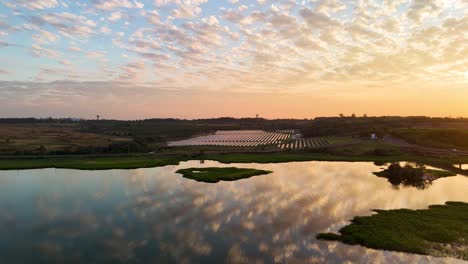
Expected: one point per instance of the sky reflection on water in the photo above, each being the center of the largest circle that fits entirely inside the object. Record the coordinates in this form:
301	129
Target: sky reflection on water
157	216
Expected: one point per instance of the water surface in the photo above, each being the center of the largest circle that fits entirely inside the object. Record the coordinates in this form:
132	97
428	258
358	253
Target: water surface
156	216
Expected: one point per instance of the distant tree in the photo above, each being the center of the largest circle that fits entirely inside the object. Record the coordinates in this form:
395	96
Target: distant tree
353	115
365	115
97	117
341	115
42	149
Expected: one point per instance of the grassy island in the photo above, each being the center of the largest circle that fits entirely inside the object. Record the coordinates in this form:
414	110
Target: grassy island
439	231
213	175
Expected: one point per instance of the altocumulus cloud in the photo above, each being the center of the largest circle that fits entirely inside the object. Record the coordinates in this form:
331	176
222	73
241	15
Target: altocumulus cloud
330	47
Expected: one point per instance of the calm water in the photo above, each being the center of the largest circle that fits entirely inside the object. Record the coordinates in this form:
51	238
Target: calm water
156	216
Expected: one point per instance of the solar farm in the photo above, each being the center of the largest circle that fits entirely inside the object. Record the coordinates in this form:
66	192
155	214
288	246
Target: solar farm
304	143
283	139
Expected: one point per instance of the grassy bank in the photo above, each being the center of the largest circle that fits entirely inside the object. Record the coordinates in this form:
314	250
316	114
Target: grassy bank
144	161
440	230
87	163
213	175
296	156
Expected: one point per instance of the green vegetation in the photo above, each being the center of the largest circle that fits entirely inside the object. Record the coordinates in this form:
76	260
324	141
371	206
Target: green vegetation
420	171
41	139
130	162
294	156
435	137
50	143
140	161
88	163
364	126
213	175
24	137
441	230
155	132
418	176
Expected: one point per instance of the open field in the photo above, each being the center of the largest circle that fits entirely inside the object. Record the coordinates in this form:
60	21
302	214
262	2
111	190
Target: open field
440	230
38	138
435	137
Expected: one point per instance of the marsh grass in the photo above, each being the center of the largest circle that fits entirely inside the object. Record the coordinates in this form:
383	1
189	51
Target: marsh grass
441	230
213	175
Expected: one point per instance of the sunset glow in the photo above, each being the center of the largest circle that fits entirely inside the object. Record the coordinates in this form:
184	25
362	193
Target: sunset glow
131	59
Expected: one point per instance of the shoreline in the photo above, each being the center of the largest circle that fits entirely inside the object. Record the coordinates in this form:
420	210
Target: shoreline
109	162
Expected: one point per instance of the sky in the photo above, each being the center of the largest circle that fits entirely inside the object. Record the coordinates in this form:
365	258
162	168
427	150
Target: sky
135	59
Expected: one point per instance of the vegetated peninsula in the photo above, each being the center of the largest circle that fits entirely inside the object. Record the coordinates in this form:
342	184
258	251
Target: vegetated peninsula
440	231
417	176
213	175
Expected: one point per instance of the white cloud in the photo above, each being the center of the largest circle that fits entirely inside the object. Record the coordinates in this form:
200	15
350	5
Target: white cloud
420	9
44	37
37	4
113	4
329	7
114	16
74	49
67	24
105	30
95	54
164	2
285	44
38	51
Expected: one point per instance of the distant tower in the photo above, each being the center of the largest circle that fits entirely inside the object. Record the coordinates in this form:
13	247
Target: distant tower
256	120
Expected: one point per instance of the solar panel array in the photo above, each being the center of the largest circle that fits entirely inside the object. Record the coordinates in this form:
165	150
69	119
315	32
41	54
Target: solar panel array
304	143
241	138
250	138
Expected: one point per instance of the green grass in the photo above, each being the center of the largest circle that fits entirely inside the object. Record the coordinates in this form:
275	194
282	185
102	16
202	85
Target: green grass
88	163
441	230
133	162
294	156
360	152
213	175
435	137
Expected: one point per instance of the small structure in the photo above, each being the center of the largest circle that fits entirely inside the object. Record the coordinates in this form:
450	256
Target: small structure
374	136
296	136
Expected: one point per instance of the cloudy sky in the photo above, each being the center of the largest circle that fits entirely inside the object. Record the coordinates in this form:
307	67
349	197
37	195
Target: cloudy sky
208	58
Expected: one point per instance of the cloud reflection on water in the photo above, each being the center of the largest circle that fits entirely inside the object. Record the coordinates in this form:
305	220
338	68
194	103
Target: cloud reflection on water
156	215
